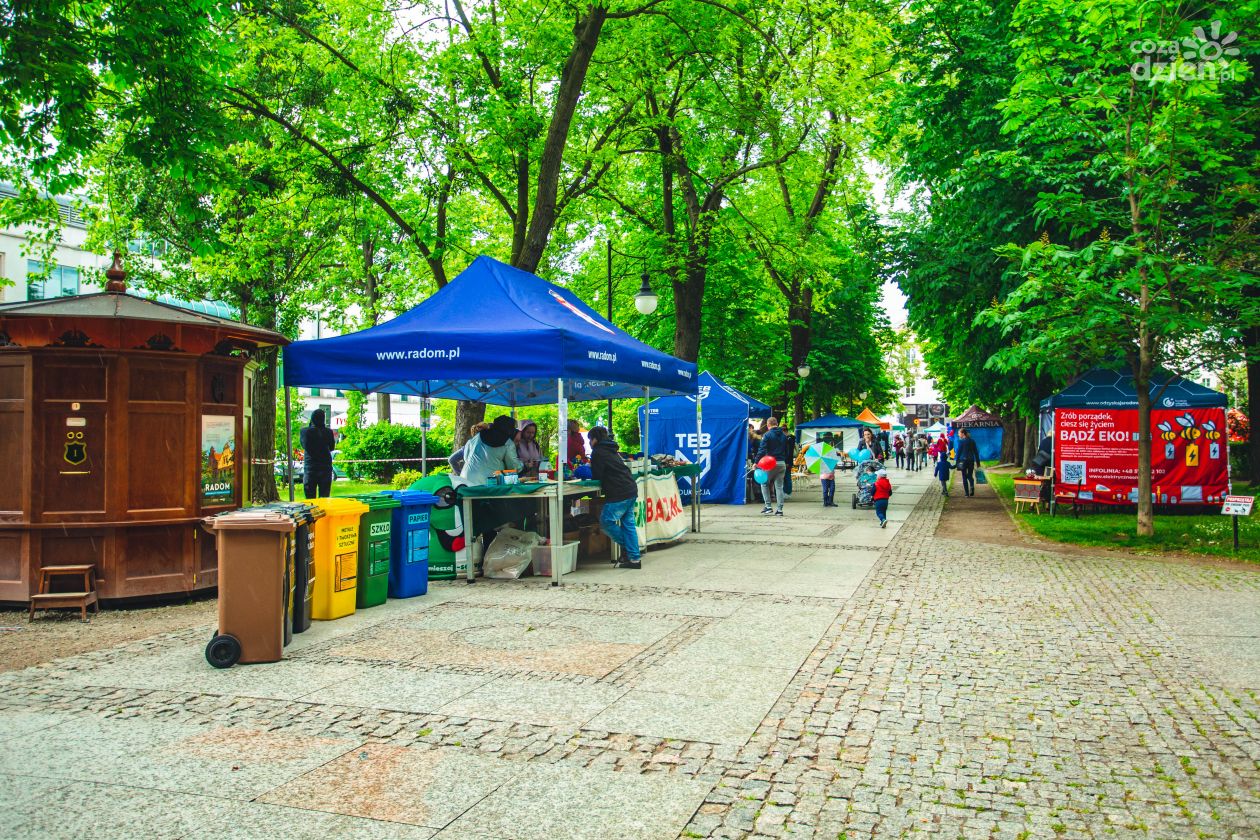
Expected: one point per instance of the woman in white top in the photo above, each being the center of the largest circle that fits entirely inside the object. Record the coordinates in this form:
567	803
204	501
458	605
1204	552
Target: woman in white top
490	451
487	453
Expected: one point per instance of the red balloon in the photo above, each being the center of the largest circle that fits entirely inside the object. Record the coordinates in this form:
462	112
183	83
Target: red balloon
767	463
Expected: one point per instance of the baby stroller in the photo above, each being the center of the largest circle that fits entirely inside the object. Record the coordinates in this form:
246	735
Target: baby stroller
865	495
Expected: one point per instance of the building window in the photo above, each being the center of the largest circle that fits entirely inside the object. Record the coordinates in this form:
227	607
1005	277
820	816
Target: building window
909	390
338	394
62	281
402	397
315	392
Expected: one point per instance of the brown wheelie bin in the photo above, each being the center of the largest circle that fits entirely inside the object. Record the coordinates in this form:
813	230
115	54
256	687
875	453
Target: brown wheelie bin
253	547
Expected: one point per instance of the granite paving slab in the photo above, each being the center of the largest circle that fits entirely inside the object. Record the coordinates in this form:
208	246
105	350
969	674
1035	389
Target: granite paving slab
727	720
530	701
553	802
387	687
425	786
19	725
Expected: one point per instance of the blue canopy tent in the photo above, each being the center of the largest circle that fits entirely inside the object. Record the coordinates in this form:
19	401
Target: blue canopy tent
815	429
985	429
712	431
494	334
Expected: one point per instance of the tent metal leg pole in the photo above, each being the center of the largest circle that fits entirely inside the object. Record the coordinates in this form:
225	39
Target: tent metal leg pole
557	516
695	479
424	436
288	439
469	540
643	444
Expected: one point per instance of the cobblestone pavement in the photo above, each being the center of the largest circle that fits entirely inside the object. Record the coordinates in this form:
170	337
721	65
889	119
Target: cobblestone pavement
813	676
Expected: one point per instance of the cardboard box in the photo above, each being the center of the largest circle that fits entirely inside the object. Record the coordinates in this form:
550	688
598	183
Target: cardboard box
593	543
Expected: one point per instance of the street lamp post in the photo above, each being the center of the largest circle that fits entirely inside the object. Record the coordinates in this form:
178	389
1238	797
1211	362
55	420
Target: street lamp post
645	300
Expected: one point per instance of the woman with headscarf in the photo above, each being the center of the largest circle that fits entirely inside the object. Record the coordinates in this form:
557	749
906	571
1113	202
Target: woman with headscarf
317	445
527	449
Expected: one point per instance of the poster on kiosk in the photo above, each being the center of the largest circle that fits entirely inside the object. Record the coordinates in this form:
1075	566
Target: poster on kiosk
1095	436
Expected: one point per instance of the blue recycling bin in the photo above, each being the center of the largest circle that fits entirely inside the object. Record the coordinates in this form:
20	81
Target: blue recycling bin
409	564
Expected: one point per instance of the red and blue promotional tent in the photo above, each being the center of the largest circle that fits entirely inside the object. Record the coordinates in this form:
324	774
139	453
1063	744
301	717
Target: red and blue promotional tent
1095	437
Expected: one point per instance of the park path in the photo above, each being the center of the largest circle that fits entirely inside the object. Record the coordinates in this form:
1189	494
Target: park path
812	675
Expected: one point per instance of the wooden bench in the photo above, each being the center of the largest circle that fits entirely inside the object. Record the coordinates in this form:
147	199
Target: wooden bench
45	600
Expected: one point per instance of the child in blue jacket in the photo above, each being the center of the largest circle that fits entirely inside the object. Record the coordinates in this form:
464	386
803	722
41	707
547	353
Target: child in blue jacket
942	471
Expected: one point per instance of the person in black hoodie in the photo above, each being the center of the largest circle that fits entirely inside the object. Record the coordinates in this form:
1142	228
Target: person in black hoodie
317	446
621	494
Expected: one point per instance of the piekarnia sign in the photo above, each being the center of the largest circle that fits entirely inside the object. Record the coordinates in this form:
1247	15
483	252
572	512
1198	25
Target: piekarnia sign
1096	455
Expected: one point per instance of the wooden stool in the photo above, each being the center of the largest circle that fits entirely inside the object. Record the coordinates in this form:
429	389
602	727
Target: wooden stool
45	600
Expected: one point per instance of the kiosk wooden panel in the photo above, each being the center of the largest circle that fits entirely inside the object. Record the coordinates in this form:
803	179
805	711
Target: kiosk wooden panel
108	406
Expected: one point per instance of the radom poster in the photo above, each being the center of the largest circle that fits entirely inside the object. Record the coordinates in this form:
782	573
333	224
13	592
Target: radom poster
218	459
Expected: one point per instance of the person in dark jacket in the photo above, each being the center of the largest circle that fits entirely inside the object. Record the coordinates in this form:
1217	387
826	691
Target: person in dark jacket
967	458
621	494
317	446
775	444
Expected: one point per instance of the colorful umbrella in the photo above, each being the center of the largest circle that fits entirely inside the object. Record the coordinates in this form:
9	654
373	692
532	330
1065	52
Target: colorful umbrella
820	457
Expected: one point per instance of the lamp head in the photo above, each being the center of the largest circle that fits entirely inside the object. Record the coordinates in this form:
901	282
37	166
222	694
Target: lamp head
645	301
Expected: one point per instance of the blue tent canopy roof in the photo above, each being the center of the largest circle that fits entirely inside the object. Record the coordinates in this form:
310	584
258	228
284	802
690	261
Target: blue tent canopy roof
832	421
494	334
717	399
1109	388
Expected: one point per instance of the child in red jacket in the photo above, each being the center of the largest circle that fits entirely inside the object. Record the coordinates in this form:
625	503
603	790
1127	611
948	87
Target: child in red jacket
883	492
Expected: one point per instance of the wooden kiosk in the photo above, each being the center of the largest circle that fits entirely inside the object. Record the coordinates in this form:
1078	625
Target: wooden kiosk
123	422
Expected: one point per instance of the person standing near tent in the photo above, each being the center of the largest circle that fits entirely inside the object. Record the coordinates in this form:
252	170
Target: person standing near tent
967	458
899	445
881	495
775	444
577	446
621	495
317	445
827	478
921	450
527	449
491	451
459	456
790	461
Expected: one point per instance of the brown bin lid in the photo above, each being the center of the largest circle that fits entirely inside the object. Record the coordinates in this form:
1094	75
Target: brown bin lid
250	519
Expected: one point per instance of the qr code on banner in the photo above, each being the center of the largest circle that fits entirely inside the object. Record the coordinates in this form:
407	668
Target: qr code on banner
1073	472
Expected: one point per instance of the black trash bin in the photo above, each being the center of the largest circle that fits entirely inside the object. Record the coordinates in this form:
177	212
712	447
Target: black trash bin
304	516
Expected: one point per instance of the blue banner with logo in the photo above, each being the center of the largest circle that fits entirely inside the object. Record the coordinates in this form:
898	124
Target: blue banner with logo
722	440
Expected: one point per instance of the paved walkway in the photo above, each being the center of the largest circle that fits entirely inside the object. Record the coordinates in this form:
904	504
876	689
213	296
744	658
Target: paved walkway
810	676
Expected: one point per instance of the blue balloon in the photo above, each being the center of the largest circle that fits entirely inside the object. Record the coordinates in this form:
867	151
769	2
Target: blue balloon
760	476
853	453
863	455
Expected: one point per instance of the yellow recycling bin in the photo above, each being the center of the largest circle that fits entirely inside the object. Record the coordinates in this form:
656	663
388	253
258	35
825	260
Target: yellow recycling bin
336	557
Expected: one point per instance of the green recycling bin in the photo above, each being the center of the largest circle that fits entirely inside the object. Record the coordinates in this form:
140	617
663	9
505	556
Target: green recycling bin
374	548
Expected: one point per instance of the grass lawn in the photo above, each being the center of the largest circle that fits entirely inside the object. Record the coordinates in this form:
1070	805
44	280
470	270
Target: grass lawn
1207	534
341	487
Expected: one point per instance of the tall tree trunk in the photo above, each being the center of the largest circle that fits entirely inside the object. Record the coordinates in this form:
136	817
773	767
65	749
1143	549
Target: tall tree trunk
1012	439
263	443
1253	401
467	412
1029	443
688	314
382	409
1142	384
572	80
